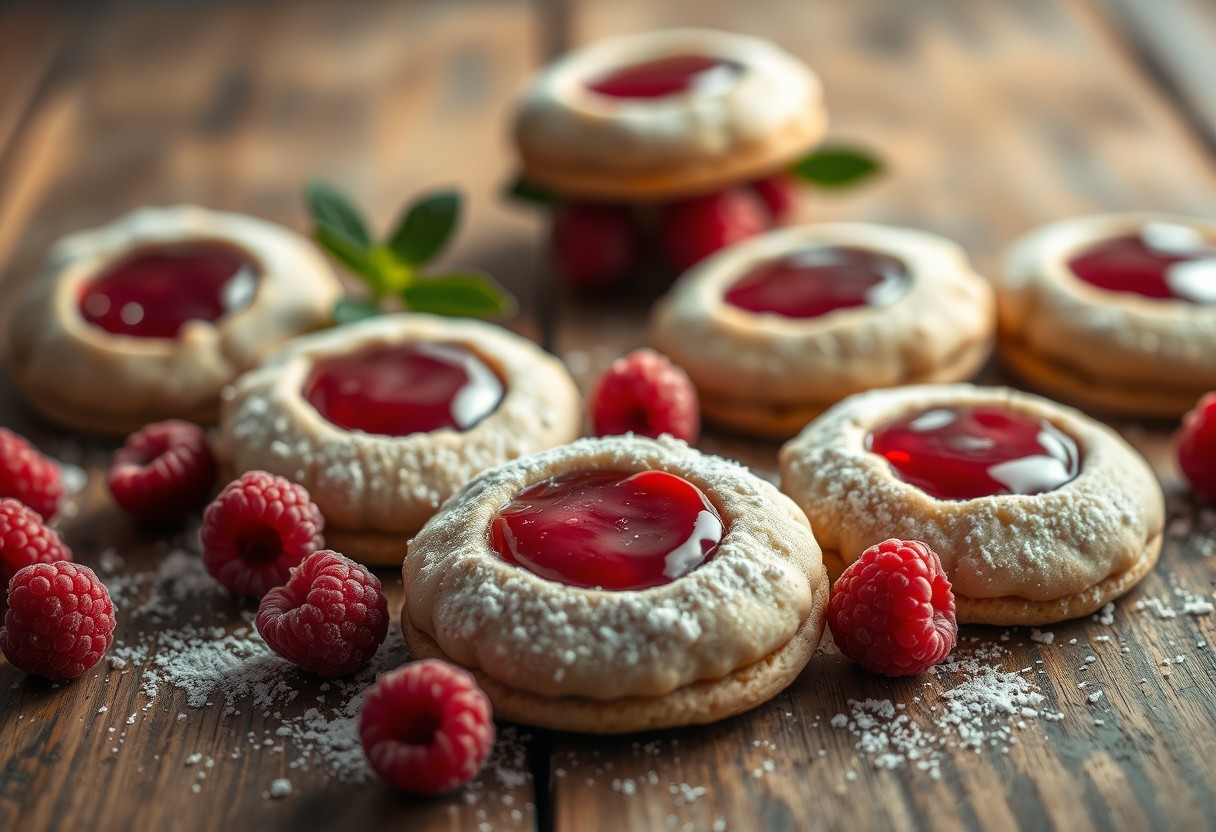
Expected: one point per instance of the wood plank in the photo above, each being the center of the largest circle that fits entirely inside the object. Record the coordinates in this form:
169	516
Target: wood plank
993	118
233	105
1174	38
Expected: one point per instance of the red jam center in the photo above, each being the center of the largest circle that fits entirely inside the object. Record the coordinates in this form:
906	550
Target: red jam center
156	289
818	280
405	388
608	529
960	453
668	76
1163	261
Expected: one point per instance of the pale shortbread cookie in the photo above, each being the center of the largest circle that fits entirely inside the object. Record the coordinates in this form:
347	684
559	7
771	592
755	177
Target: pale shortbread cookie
762	373
580	143
86	378
723	638
1114	351
1013	559
375	491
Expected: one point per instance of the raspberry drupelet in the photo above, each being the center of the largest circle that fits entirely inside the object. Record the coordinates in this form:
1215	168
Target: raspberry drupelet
1197	447
60	620
25	540
892	610
28	476
256	530
330	617
644	393
162	472
426	727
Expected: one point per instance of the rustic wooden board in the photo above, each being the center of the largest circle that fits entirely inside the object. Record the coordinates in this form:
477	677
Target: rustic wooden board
993	117
232	105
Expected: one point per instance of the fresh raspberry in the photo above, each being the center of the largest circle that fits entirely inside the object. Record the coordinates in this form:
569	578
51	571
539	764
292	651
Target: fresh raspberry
1197	446
163	472
892	610
426	727
256	530
28	476
646	394
24	540
780	194
330	616
60	620
691	230
595	246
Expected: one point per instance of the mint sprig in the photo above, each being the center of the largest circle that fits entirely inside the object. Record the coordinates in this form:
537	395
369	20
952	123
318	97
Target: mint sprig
391	270
837	166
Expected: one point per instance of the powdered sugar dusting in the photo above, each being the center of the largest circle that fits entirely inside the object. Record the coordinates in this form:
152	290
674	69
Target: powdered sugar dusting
979	705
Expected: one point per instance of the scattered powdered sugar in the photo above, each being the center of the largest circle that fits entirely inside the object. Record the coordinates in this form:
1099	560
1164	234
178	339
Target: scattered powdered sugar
1193	525
1189	603
980	705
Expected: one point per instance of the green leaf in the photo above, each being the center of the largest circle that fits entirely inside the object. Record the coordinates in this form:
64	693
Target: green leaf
392	274
460	294
837	167
524	191
358	260
426	228
350	310
334	212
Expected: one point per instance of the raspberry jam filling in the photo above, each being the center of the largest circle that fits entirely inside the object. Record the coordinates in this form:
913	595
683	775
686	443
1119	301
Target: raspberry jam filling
1163	261
818	280
961	453
156	289
608	529
668	76
404	388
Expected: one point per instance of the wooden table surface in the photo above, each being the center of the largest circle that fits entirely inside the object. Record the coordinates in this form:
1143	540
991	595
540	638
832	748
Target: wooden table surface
993	116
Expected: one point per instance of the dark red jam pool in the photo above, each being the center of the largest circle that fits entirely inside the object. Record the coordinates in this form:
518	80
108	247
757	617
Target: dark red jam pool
153	291
818	280
667	76
609	529
1163	261
404	388
960	453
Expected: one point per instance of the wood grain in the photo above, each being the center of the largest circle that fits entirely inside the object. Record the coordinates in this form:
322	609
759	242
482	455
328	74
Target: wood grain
233	105
993	118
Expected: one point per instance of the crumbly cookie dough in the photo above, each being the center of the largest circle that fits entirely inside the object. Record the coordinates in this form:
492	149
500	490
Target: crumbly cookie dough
86	378
1012	559
375	491
1112	351
720	640
582	144
768	374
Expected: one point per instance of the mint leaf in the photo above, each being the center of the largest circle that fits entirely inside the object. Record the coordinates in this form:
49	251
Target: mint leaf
524	191
356	259
837	167
350	310
334	212
460	295
426	228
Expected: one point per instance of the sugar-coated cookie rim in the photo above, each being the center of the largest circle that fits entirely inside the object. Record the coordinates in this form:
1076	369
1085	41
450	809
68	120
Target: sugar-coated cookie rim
1011	611
925	255
1066	383
532	379
83	255
776	131
932	261
1043	255
698	703
452	554
1095	441
295	292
